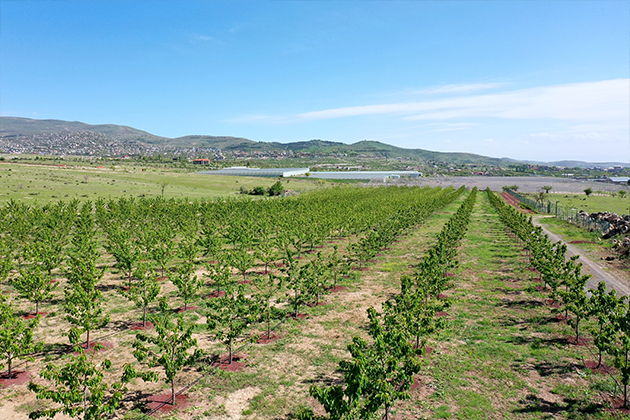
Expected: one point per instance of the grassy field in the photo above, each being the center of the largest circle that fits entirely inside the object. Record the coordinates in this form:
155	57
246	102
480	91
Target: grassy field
592	203
42	184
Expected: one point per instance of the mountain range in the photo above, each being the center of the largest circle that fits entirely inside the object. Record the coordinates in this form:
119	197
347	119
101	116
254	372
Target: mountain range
15	130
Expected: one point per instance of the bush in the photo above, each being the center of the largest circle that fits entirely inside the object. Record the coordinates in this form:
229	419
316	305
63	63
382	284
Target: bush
257	191
276	189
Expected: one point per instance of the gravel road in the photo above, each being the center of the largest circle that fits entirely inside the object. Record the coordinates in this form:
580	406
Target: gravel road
613	282
525	183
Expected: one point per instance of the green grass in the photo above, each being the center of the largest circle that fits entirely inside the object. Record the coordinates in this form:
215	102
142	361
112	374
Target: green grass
592	203
43	184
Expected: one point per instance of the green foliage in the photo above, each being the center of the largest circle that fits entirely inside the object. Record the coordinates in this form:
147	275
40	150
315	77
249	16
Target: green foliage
16	336
187	282
257	191
144	291
168	348
34	285
588	191
267	290
83	300
379	374
276	189
230	316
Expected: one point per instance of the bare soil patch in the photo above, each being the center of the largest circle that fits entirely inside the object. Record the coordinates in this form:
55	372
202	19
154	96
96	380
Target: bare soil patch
18	377
162	403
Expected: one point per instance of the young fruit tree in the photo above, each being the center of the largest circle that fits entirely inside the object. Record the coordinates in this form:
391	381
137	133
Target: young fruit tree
230	316
78	390
187	282
379	374
83	301
34	285
603	305
267	291
220	274
16	336
144	291
169	347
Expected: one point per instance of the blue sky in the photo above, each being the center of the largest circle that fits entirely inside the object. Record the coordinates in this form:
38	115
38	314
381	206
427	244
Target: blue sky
538	80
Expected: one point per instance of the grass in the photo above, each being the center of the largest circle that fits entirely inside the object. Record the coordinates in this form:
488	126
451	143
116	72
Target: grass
592	203
43	184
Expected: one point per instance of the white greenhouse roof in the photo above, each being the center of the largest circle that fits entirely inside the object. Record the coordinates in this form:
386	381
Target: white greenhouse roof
264	172
364	174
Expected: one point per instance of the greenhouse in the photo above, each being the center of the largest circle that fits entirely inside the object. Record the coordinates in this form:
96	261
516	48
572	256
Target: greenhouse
263	172
367	175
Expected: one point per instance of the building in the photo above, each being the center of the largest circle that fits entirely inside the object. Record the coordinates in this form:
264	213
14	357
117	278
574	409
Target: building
618	179
201	162
262	172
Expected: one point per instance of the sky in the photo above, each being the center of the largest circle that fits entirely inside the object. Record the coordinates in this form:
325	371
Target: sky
532	80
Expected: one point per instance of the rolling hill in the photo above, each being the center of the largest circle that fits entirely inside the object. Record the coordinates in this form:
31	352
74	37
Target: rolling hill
35	132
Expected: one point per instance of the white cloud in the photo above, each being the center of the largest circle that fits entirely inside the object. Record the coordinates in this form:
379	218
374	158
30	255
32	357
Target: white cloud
201	38
604	102
453	126
473	87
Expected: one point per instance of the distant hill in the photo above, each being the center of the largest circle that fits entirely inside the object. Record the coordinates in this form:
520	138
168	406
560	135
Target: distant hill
23	130
14	126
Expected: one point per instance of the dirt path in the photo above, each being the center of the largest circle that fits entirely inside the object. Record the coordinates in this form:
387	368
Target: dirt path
613	282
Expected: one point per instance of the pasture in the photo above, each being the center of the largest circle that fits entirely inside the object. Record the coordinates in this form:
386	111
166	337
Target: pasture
44	183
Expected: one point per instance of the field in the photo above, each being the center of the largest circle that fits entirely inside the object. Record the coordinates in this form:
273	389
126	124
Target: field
592	203
502	353
43	184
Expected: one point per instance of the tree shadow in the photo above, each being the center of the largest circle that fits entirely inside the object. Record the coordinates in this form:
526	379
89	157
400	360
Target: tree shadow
522	304
534	404
537	342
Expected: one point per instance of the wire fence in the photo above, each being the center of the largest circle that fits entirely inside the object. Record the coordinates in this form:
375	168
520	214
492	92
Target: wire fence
570	215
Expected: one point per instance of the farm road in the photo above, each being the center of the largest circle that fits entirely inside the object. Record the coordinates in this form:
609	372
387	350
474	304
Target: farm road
598	274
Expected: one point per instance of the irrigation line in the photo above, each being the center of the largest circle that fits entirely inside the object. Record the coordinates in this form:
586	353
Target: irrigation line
42	353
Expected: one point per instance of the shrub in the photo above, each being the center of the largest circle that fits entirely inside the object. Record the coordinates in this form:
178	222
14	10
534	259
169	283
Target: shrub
276	189
257	191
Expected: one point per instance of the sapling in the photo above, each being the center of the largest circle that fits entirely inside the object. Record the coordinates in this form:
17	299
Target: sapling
220	274
603	305
78	389
34	285
379	374
187	282
267	289
144	291
16	336
168	347
230	316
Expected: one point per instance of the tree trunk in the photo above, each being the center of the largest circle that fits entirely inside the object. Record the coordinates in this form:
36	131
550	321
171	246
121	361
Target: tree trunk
173	391
144	316
87	341
230	351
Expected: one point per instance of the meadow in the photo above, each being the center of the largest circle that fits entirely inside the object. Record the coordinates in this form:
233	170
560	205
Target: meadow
42	184
618	204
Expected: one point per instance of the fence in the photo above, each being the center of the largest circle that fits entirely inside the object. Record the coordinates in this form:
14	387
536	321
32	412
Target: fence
570	215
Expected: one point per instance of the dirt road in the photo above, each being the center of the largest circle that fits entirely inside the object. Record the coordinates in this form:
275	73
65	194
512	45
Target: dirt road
613	282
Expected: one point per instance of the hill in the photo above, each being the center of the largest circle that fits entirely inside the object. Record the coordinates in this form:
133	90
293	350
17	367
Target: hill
25	135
